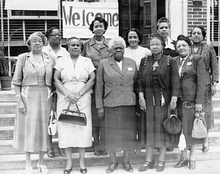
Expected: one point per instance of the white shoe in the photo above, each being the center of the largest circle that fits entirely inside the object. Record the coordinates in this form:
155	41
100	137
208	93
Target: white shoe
42	168
29	170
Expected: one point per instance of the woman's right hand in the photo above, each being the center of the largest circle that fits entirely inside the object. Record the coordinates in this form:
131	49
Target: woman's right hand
142	104
21	106
72	98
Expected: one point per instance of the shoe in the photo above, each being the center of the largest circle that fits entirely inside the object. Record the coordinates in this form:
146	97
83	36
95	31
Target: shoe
83	170
62	152
42	168
192	164
146	165
98	153
67	171
169	149
29	170
112	167
104	153
160	166
50	153
127	166
205	148
182	162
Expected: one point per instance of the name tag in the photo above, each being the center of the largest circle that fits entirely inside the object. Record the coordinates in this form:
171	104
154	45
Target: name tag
130	69
189	63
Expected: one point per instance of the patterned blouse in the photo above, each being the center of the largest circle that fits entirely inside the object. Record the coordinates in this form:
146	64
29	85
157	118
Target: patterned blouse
211	62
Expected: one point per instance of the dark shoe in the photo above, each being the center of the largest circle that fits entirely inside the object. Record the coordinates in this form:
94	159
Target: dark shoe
98	153
62	152
205	148
67	171
169	149
127	166
192	164
112	167
83	170
104	153
160	166
182	162
50	153
146	165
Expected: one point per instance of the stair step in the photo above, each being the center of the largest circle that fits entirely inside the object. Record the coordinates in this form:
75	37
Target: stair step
7	107
18	161
7	96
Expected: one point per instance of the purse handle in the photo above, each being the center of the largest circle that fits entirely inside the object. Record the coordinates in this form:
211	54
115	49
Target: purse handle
68	107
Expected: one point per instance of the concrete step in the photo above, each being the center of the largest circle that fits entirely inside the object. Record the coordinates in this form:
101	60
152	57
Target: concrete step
18	161
6	132
7	107
7	96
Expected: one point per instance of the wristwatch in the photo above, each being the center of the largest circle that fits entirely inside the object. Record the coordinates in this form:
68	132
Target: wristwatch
80	93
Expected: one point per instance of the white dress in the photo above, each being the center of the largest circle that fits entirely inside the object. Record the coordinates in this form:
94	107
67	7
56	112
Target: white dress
74	79
137	54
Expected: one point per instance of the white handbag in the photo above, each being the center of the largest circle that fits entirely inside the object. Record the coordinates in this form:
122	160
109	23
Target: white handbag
52	126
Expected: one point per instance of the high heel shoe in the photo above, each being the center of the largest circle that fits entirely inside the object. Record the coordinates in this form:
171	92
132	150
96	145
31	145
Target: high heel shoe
83	170
146	165
192	164
205	148
112	166
182	162
42	168
160	166
127	166
67	171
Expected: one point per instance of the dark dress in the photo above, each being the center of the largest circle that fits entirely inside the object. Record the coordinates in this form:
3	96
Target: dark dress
156	85
190	89
212	75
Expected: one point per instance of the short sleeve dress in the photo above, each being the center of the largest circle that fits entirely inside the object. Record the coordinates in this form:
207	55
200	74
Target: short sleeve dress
74	78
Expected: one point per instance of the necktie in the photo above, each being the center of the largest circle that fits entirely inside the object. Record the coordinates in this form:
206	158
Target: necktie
182	61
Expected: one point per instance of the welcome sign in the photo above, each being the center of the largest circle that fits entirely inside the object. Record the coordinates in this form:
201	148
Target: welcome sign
77	16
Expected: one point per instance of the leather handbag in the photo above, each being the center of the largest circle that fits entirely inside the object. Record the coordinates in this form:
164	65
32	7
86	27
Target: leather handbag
199	126
52	126
172	124
72	116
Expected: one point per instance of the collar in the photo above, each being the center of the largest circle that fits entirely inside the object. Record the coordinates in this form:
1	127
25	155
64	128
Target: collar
93	42
170	44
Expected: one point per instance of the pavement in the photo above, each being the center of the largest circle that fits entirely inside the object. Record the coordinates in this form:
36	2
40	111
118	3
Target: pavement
202	167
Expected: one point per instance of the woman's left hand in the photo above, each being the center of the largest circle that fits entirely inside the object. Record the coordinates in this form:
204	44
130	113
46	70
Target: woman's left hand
72	98
214	89
198	107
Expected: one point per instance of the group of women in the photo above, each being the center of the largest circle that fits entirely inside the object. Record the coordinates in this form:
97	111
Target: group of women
125	91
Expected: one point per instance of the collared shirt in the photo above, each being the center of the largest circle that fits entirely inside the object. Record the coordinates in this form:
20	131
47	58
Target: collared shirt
62	52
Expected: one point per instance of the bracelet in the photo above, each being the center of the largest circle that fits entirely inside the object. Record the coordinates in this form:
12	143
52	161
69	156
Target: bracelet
18	95
80	93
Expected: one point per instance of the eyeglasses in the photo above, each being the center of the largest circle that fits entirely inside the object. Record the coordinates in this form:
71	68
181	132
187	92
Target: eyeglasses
118	48
157	45
35	41
55	35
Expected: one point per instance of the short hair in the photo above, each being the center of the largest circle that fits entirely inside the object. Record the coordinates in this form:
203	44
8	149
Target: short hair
71	38
101	20
202	30
140	35
158	36
49	31
39	34
117	39
184	38
163	20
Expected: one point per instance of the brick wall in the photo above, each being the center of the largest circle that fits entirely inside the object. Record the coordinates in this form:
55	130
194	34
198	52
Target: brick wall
197	15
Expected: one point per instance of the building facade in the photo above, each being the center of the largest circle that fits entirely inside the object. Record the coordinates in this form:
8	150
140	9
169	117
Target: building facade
17	25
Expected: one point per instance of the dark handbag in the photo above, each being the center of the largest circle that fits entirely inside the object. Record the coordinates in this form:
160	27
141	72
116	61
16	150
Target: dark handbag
199	126
172	124
73	117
